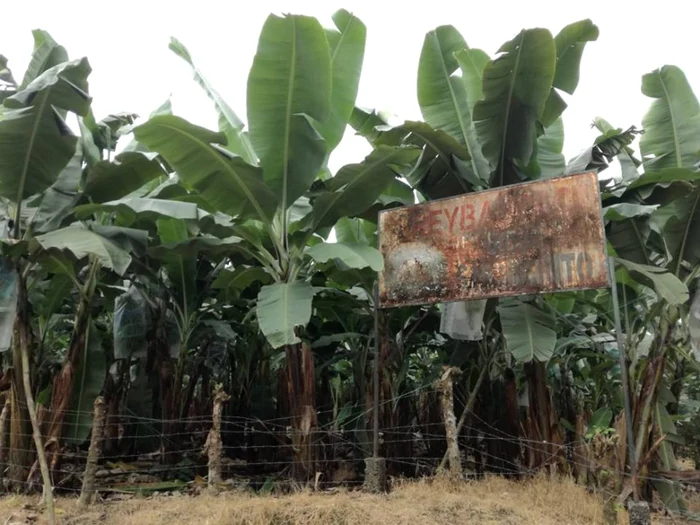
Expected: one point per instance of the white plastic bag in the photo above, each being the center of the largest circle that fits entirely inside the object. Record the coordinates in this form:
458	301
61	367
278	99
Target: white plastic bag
463	320
694	322
8	302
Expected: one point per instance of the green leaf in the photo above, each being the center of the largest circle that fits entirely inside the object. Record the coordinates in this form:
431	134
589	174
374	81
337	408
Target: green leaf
131	208
366	121
516	86
352	255
627	210
196	245
444	166
357	186
281	307
81	242
670	491
63	86
46	54
679	222
227	183
166	108
241	278
442	94
59	199
35	142
570	43
601	418
672	125
289	83
6	76
527	330
665	177
180	269
356	231
35	146
89	380
129	239
347	53
668	286
606	147
58	289
128	172
229	123
472	63
550	146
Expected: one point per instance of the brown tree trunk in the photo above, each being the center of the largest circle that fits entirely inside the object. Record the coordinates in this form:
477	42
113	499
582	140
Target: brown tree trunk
540	428
301	400
160	367
113	395
63	383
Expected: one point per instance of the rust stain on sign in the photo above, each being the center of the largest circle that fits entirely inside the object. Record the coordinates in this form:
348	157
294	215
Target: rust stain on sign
527	238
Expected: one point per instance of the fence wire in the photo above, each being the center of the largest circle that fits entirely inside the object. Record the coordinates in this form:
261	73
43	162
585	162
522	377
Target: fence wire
261	453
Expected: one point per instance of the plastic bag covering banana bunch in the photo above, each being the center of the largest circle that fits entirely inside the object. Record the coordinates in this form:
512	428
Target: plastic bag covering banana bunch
8	294
130	325
463	320
694	322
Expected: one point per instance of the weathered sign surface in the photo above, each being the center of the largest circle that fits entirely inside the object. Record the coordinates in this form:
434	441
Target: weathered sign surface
527	238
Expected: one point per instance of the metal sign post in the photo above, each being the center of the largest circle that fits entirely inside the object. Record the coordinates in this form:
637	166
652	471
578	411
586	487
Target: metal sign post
375	438
375	466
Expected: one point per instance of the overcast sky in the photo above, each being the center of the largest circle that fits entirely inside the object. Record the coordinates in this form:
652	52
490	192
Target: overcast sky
126	42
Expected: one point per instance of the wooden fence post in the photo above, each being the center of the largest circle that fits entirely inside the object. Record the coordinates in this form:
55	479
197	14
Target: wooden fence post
444	387
213	446
87	493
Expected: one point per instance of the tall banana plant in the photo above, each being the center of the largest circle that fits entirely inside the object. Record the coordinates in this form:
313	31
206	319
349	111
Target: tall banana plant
36	145
45	171
655	218
489	123
273	178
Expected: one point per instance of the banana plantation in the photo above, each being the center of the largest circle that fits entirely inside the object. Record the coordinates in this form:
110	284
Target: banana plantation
160	266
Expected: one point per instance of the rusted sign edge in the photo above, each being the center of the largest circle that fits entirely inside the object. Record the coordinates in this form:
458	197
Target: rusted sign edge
477	297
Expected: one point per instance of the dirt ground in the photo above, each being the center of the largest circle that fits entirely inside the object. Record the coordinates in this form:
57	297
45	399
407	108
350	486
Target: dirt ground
488	502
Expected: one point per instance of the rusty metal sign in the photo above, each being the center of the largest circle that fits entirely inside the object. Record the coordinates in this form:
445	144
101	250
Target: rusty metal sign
528	238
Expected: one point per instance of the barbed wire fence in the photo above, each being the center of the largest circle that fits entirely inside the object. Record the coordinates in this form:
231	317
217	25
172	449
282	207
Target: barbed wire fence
256	455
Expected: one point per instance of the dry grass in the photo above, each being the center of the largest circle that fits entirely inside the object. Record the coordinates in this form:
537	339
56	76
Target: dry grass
489	502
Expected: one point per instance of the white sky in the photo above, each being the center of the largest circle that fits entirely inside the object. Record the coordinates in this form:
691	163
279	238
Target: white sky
126	42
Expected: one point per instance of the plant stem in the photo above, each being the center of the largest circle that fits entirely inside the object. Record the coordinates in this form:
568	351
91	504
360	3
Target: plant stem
36	431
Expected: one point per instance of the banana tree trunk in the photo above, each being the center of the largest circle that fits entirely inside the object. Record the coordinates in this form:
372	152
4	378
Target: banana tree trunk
301	401
539	412
64	381
21	454
164	371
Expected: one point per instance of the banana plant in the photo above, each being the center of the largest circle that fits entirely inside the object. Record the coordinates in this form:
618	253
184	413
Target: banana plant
36	145
273	179
45	172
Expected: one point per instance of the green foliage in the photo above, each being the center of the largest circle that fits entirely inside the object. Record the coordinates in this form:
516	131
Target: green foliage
196	255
